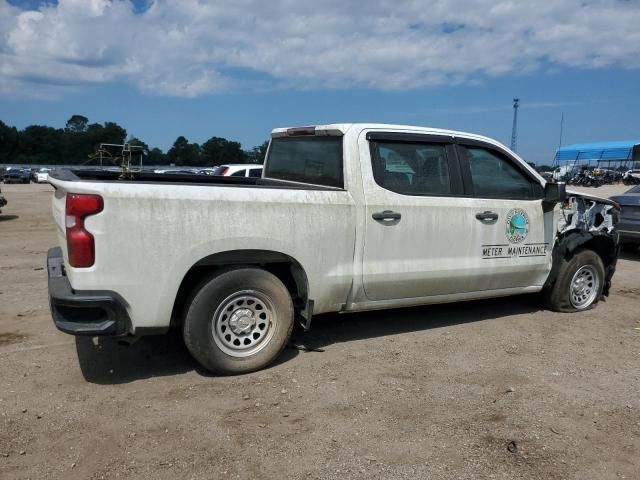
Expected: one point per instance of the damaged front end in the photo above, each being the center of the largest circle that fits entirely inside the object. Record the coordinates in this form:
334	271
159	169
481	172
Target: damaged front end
589	222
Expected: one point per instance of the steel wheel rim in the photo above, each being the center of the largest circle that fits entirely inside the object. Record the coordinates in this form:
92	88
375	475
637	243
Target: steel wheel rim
585	285
244	323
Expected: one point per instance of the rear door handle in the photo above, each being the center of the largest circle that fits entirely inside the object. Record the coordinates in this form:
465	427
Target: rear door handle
484	216
386	215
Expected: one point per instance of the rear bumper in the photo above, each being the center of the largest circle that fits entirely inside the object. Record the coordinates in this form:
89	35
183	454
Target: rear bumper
83	313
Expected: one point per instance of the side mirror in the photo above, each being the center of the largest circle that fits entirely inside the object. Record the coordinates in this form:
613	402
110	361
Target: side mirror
554	193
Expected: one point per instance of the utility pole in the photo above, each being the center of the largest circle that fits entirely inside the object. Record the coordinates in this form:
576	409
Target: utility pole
514	129
561	127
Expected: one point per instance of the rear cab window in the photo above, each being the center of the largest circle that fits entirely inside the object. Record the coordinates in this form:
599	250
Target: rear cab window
307	159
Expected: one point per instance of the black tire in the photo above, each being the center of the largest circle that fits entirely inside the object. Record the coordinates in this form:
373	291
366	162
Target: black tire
558	297
229	294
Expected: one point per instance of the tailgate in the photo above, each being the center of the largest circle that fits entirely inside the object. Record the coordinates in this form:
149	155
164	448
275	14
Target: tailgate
58	210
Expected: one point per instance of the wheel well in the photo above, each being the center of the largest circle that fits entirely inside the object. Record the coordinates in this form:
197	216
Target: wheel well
604	247
286	268
603	244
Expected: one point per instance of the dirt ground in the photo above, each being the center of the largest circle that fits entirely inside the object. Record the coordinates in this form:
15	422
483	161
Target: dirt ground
491	389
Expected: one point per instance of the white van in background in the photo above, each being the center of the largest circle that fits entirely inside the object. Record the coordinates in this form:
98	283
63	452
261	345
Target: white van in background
42	175
238	170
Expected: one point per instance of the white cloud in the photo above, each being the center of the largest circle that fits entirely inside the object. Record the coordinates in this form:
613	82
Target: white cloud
190	48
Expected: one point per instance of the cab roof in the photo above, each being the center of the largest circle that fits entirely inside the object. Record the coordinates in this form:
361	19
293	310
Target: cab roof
343	128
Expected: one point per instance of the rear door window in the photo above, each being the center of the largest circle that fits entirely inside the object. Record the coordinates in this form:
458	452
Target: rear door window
411	168
315	160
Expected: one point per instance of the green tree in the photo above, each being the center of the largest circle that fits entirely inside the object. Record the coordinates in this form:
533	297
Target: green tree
40	144
217	151
77	124
257	153
136	142
156	157
9	143
184	153
113	133
78	142
79	146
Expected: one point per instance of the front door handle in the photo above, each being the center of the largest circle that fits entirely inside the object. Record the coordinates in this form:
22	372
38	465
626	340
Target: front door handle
386	215
487	216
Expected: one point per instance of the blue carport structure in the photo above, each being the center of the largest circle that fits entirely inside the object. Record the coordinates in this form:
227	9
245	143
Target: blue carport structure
619	156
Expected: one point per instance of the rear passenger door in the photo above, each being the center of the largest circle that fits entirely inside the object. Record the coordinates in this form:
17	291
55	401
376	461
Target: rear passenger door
416	239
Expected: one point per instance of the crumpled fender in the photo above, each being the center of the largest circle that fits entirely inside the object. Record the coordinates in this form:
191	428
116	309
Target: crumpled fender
585	219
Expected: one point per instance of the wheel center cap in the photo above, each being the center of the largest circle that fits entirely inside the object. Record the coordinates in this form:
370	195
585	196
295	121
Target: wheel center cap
242	321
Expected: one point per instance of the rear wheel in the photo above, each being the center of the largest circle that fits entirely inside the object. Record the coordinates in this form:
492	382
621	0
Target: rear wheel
238	321
579	283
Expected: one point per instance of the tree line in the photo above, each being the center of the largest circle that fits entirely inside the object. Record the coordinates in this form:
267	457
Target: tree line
79	140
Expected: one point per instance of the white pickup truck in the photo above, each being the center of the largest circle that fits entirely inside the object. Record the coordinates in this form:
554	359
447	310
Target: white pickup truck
345	217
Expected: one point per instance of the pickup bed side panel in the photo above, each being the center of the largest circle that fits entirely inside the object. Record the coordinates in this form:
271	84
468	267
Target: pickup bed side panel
149	236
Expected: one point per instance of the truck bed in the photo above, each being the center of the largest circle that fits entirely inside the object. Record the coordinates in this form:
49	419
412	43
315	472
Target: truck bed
100	175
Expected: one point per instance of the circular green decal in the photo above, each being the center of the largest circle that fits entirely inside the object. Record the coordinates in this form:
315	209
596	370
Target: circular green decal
517	225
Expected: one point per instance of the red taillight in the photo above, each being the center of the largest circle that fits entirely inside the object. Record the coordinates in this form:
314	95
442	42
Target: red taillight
224	171
80	244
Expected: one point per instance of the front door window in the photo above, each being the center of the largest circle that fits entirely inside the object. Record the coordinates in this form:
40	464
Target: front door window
493	176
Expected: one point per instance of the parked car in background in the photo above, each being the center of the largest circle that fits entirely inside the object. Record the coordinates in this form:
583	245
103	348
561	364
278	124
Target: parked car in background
26	175
564	173
631	177
3	201
629	225
175	171
238	170
42	175
548	176
16	175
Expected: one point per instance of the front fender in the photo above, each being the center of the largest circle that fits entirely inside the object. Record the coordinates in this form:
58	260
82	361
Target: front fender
587	222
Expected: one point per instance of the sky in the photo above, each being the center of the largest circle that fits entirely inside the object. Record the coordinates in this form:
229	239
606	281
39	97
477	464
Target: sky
238	68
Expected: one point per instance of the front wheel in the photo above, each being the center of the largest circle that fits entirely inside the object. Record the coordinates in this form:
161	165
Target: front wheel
579	283
238	321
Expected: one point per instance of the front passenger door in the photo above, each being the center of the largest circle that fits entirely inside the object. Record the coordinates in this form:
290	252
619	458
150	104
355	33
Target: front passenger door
511	233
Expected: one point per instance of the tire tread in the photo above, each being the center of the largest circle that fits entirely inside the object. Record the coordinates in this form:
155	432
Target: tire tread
205	299
556	297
